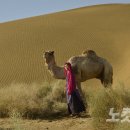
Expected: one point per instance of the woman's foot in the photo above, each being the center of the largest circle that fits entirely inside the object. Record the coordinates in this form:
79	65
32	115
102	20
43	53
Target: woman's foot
76	115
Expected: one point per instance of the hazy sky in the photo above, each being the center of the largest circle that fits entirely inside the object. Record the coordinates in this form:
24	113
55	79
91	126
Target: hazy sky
18	9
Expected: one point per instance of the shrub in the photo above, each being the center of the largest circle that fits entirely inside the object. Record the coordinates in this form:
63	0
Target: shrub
32	101
102	100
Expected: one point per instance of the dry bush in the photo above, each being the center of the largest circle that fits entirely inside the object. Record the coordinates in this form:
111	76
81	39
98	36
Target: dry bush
48	99
32	101
100	102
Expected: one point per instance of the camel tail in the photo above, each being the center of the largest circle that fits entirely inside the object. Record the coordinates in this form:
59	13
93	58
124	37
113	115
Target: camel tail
107	75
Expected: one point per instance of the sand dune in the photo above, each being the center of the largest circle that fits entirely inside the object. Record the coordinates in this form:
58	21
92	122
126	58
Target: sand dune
104	28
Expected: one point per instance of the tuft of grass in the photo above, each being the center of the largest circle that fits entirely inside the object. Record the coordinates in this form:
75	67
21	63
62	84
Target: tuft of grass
44	90
58	92
16	119
102	100
49	100
34	100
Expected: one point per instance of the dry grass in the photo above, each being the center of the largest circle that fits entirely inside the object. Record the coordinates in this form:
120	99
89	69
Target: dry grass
48	101
124	126
16	120
101	100
33	101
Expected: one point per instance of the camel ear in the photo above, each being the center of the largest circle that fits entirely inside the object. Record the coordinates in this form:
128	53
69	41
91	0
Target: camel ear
84	52
44	53
52	52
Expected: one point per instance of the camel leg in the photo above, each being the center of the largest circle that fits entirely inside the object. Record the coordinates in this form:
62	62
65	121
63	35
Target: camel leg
78	84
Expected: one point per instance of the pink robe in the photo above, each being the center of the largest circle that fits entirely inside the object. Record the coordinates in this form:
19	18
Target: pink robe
71	86
74	101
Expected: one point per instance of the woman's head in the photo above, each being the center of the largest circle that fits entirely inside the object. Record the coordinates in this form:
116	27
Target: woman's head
67	66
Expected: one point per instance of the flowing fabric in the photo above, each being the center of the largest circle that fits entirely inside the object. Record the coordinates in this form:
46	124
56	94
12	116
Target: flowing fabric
70	79
74	101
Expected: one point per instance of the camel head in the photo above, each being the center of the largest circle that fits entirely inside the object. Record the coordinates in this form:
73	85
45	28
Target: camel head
49	57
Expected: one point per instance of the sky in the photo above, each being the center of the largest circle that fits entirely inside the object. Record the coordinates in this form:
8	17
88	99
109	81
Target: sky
18	9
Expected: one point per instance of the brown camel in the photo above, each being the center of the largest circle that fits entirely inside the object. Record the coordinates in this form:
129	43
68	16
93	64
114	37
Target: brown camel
86	66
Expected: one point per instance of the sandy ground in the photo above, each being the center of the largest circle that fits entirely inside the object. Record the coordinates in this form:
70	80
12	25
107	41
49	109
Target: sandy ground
66	123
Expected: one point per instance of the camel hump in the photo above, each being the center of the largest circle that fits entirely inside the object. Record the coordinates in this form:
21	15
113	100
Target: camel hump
89	53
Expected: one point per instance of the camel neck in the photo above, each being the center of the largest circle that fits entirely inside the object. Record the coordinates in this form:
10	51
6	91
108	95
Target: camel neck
51	65
56	71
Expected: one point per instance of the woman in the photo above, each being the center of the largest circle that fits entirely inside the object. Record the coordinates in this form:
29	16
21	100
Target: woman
74	101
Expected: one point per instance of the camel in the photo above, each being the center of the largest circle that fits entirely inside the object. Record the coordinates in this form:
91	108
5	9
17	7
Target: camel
86	66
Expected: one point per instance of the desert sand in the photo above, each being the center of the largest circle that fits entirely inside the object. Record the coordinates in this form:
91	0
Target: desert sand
103	28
